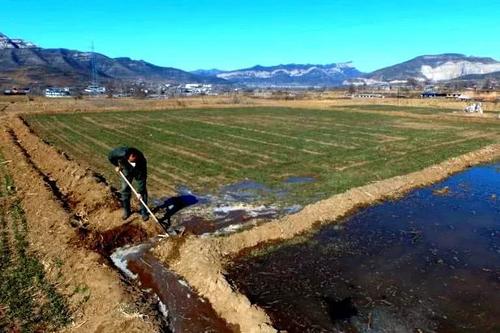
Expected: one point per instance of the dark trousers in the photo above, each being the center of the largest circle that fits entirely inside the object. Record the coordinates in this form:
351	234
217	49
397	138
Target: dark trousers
126	191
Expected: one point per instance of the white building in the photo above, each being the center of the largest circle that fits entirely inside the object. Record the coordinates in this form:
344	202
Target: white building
197	88
368	95
95	90
57	92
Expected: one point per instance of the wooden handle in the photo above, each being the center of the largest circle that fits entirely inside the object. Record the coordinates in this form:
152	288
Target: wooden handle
139	197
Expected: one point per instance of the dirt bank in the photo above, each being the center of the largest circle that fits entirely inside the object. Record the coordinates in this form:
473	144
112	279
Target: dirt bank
59	198
201	261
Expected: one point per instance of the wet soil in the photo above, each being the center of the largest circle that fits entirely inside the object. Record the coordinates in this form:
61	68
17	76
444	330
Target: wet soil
429	262
197	225
234	207
106	242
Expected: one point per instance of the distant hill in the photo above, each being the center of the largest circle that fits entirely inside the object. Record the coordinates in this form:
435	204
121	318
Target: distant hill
24	63
207	72
490	76
291	75
440	67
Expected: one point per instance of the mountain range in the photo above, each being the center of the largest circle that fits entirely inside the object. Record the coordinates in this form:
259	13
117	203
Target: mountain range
427	68
24	63
288	75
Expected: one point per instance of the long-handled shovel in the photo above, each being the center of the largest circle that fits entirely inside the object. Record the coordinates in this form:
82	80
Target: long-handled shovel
140	199
168	232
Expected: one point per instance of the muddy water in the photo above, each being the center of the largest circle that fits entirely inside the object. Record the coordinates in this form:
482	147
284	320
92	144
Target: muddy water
429	262
235	206
183	309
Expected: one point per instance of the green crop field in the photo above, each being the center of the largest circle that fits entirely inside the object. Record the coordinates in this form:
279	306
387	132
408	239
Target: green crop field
205	149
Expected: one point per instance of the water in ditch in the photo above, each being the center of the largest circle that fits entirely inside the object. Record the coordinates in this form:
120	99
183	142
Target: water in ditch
429	262
236	206
182	308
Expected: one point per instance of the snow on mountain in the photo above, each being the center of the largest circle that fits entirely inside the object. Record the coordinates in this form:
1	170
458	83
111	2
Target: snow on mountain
18	55
452	70
292	75
290	70
8	43
24	63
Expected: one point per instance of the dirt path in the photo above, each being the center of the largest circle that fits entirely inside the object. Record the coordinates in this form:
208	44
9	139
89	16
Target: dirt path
56	194
205	270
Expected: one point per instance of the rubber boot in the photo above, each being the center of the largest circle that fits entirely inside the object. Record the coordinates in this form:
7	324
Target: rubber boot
126	209
144	211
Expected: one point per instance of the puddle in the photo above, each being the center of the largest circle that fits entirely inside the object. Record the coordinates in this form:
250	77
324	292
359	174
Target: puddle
429	262
234	207
184	310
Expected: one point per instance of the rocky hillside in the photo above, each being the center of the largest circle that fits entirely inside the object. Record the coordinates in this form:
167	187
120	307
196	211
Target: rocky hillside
23	63
441	67
7	43
291	75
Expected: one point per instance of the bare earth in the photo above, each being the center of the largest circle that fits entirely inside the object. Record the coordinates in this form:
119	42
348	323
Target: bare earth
110	307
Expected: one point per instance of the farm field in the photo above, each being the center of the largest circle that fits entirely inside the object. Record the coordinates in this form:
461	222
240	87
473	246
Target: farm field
301	154
205	149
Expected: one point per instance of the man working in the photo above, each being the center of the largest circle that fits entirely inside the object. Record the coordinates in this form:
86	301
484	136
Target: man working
132	163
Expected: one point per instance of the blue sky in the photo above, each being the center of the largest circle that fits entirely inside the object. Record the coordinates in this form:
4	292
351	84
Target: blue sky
236	34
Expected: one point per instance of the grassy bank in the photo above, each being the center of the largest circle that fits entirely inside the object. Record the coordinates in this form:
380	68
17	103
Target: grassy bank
28	301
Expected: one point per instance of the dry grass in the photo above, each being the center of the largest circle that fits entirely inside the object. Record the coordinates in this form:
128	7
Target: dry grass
10	104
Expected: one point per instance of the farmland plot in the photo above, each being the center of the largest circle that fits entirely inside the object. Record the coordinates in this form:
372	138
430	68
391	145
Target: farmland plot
205	149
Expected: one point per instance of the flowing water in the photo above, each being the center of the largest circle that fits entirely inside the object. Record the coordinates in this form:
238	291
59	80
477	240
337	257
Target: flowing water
233	208
184	310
